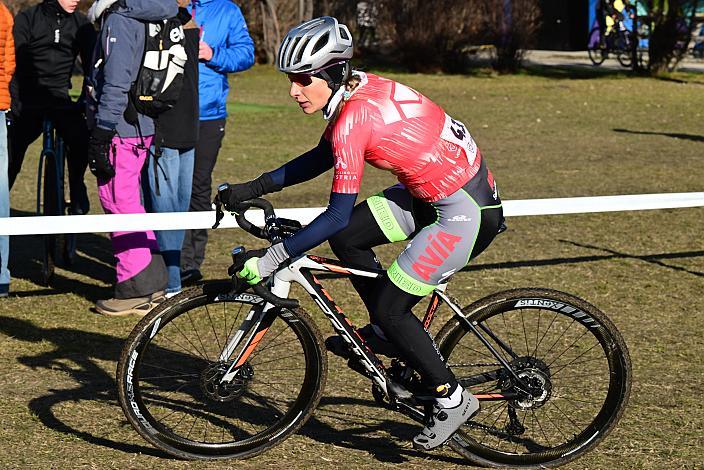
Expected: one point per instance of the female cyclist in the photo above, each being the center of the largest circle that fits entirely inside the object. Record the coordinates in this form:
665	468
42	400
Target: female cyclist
446	202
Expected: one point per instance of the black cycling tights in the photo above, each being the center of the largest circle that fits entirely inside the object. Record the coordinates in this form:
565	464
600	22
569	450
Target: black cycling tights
389	306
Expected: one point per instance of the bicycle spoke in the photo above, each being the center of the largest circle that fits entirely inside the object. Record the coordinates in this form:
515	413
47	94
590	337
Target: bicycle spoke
162	377
560	337
570	347
487	355
574	361
178	345
525	334
545	333
212	327
273	360
537	421
508	335
205	358
154	366
188	315
537	333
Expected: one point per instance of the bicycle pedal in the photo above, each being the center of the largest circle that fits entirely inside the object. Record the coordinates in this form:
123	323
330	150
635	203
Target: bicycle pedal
398	391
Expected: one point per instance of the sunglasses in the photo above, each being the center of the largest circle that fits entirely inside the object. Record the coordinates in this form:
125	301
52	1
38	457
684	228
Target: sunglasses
300	79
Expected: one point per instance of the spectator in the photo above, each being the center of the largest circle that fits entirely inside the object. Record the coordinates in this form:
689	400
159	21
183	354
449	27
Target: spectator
614	10
7	68
169	170
118	149
225	47
48	38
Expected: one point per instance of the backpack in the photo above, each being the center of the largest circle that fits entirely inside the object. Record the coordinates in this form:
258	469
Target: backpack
160	78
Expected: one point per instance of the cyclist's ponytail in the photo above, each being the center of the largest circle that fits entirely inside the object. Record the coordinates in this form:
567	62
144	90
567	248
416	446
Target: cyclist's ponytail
351	83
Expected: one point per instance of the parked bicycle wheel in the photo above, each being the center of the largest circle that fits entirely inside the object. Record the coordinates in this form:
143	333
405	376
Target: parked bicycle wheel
49	203
571	357
597	53
59	249
169	376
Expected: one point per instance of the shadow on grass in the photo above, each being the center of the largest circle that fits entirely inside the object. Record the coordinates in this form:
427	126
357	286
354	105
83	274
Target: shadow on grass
362	432
674	135
90	383
612	254
571	71
72	357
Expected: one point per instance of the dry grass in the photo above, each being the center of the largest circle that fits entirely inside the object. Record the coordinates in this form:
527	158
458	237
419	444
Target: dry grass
543	136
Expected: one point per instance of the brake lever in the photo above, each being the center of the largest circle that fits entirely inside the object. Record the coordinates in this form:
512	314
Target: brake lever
219	214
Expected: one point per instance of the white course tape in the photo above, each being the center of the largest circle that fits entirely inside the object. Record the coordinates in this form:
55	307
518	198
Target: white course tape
193	220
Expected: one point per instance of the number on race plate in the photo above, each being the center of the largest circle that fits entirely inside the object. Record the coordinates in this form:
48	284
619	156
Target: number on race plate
456	132
458	129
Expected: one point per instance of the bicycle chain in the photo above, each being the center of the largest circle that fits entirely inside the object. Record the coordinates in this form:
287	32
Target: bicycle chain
479	364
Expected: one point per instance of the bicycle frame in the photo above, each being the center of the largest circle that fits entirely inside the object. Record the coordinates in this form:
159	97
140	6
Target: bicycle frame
299	271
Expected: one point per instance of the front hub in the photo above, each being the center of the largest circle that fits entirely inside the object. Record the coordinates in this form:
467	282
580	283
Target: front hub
213	388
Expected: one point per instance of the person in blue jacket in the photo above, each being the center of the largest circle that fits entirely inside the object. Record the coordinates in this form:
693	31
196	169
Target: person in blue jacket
225	47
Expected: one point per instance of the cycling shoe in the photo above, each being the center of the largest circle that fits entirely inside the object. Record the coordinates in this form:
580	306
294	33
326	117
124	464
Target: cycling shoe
339	347
443	422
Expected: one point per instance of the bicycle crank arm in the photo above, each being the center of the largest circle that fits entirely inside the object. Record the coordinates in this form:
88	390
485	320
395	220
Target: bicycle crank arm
408	410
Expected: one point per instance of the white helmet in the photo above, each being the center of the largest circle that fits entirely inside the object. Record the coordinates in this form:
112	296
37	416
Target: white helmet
311	46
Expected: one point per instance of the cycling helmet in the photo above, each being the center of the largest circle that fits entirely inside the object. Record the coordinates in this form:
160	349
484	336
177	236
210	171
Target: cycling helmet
314	45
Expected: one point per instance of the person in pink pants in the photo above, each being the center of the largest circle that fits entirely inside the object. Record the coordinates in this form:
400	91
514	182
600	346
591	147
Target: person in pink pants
120	195
118	147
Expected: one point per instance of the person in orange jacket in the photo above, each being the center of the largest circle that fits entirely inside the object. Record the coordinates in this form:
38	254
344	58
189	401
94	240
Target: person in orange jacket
7	69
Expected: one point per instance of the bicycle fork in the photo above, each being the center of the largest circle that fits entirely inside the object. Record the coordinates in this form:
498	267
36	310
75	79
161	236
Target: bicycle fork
258	321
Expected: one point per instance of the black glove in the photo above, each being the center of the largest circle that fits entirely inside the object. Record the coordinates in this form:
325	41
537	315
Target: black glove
232	194
99	153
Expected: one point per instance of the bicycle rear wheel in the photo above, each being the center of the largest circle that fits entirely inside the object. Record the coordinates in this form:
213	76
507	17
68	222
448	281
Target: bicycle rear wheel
568	352
624	47
169	376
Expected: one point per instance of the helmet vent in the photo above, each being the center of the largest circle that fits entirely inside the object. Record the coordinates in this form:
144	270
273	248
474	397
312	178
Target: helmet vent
343	34
321	42
301	48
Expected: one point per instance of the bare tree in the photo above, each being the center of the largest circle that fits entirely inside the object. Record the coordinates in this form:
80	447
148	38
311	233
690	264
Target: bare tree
672	23
269	20
431	35
511	28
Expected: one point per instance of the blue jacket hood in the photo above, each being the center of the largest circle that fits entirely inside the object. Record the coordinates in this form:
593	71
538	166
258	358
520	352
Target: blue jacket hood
149	10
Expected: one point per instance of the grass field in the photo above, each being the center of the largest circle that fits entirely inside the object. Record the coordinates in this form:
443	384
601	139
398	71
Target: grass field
544	134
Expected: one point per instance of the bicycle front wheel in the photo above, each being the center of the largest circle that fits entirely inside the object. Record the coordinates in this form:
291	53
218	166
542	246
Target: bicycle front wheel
170	369
569	356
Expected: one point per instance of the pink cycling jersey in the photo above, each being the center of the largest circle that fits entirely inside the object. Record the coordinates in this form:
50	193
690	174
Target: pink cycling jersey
395	128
